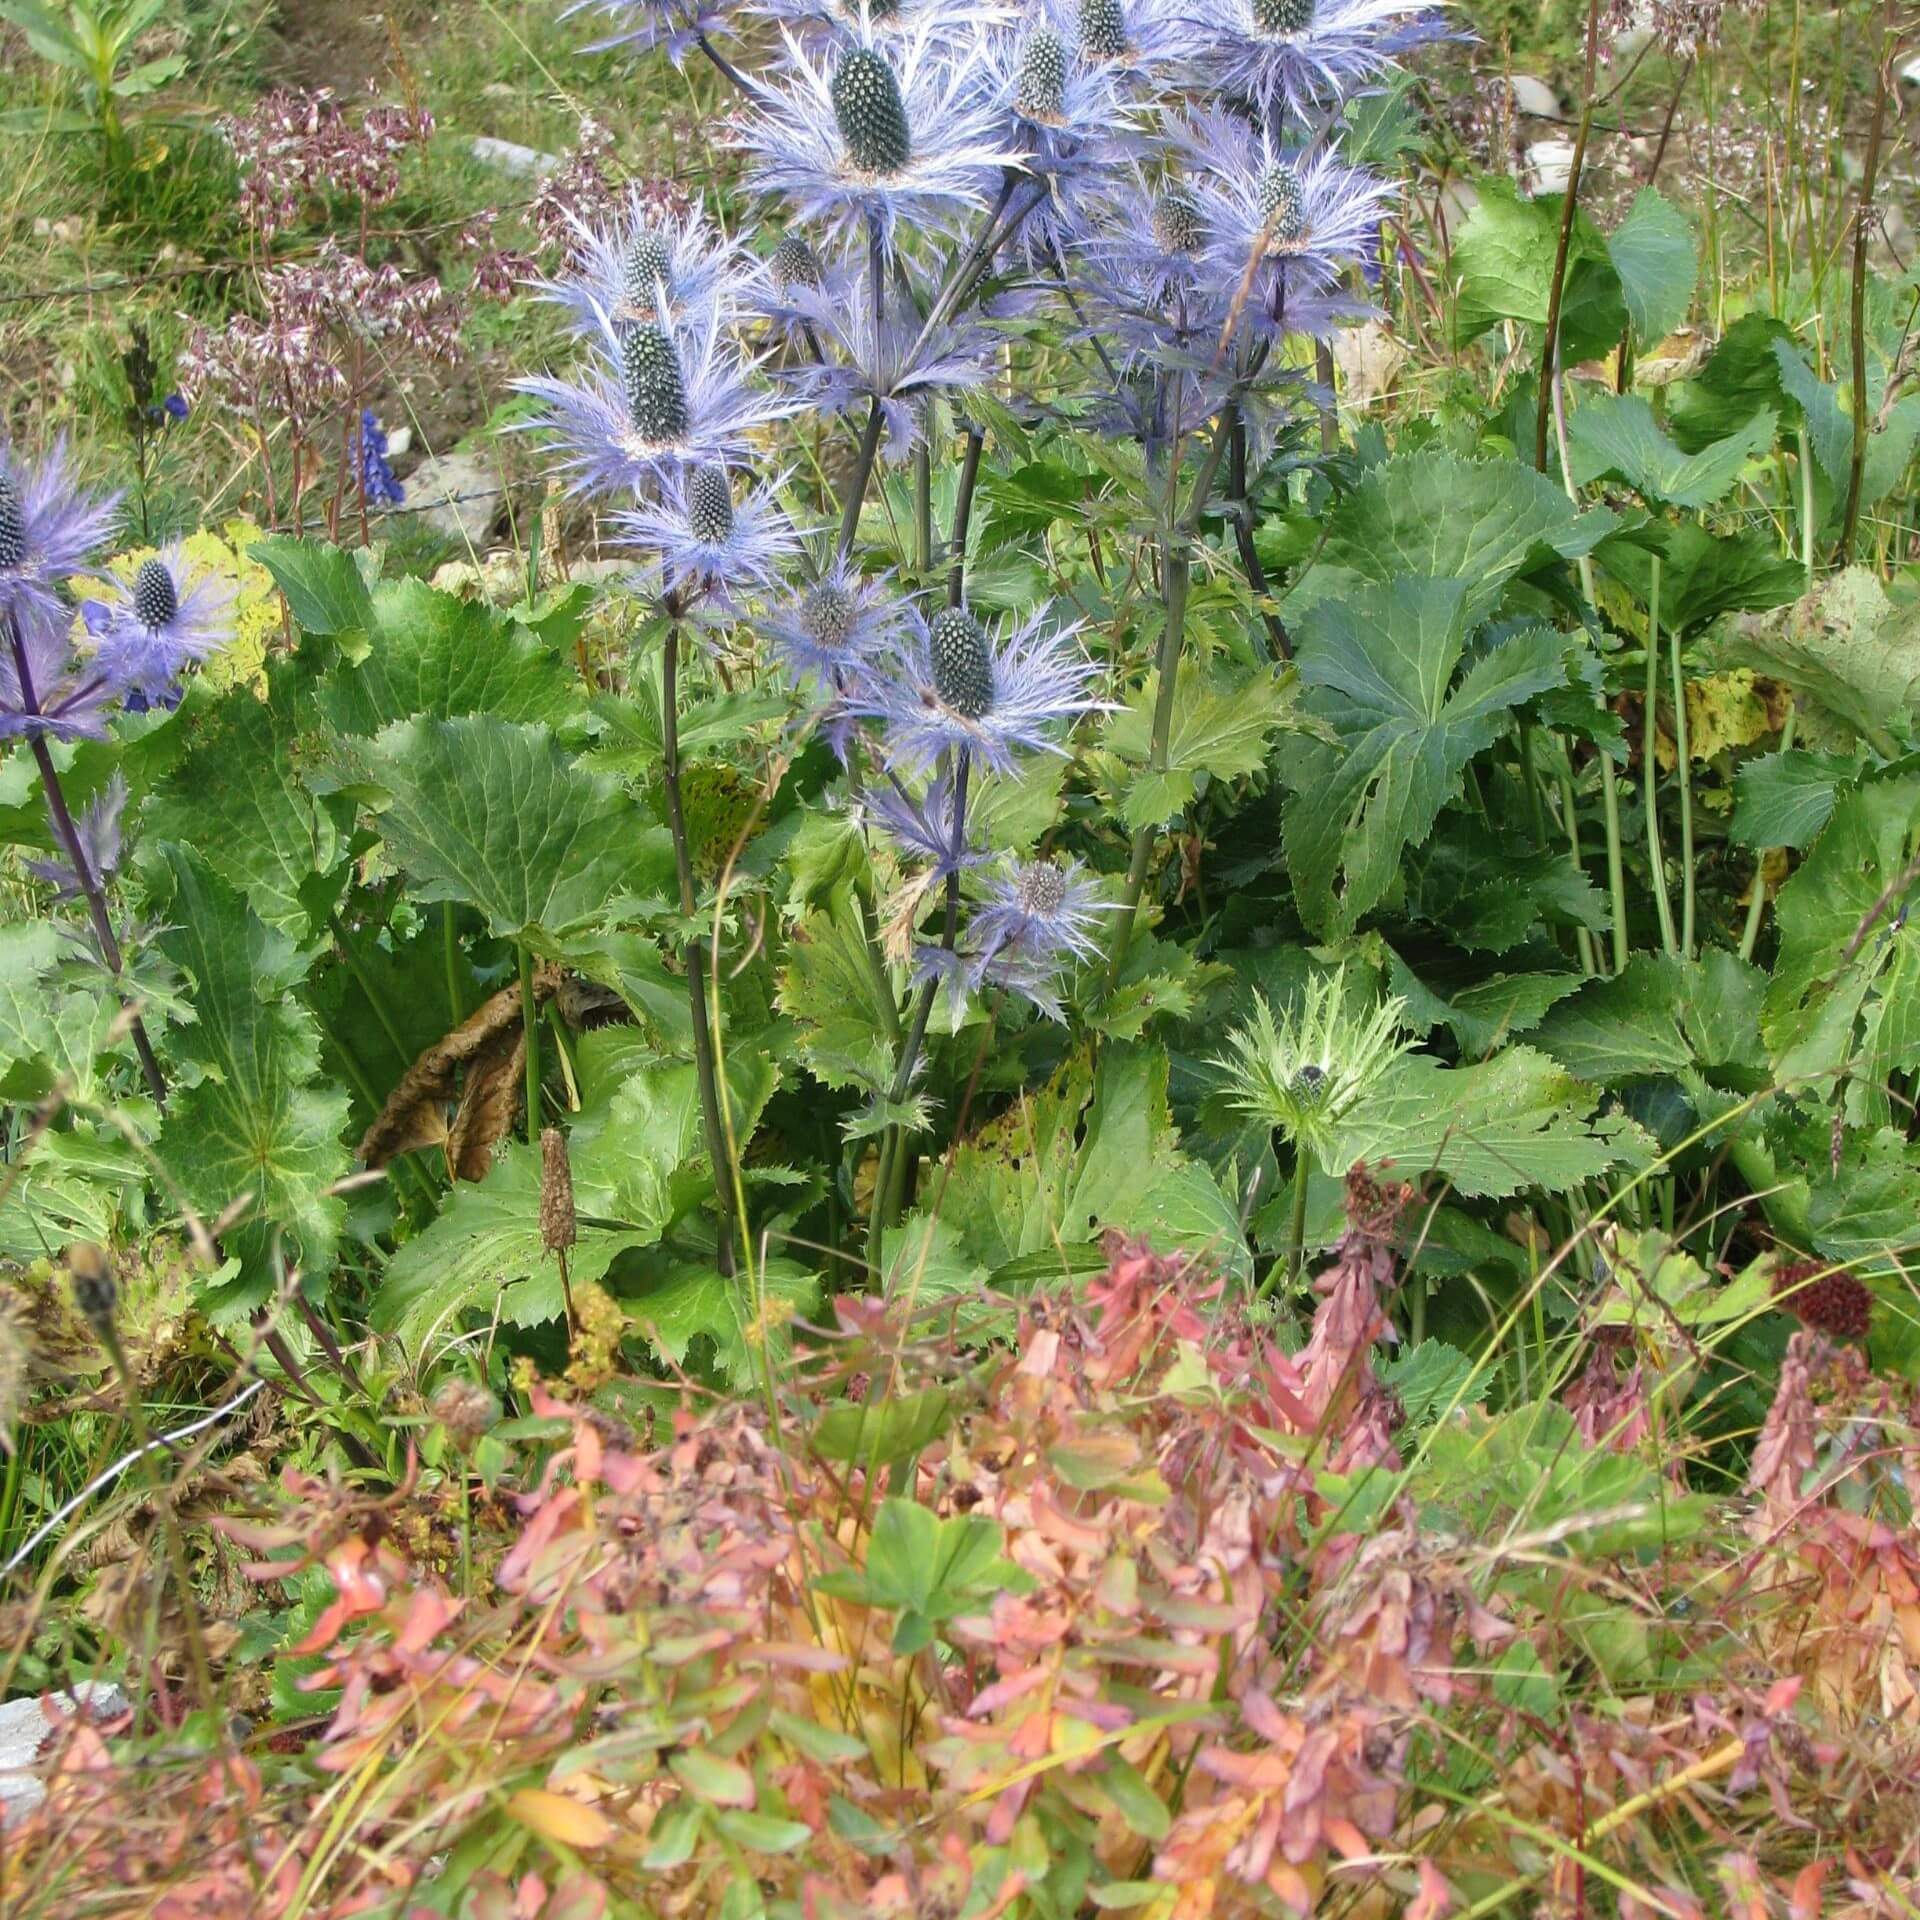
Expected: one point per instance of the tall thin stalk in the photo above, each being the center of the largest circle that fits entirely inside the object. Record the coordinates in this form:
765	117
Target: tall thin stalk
692	947
1549	344
1650	768
530	1044
91	889
1857	316
1684	771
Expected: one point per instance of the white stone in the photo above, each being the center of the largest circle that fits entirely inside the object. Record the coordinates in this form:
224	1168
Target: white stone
1906	77
24	1731
399	442
1547	166
512	158
1533	97
456	493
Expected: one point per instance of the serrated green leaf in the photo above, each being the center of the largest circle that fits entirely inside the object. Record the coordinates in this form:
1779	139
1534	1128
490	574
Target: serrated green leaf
1704	574
1658	260
830	989
498	816
1379	669
1784	799
1220	727
1663	1015
239	801
1741	378
878	1434
1615	436
325	589
260	1130
1494	1128
1434	1379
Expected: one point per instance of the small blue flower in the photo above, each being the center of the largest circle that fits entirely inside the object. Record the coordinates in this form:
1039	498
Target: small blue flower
48	529
378	487
151	629
707	543
922	826
175	407
956	687
1037	918
45	689
677	25
880	130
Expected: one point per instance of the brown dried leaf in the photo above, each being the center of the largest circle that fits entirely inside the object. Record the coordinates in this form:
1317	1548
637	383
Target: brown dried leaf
484	1045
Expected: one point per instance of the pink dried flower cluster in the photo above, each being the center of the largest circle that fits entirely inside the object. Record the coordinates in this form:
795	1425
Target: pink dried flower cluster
296	143
576	190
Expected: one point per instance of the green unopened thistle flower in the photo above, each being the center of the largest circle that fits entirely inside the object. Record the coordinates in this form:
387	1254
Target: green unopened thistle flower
1282	17
709	505
1103	29
1040	86
649	269
96	1292
870	112
1302	1073
466	1409
156	600
656	390
1282	203
795	264
962	670
1176	221
13	524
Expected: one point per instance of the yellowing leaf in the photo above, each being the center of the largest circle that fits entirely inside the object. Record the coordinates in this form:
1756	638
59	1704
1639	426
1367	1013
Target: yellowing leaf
567	1823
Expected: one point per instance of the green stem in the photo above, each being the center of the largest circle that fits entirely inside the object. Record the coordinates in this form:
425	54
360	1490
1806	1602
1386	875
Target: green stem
1297	1217
530	1031
1757	906
1650	768
695	948
450	955
1589	956
363	978
1683	768
922	511
1530	784
1806	508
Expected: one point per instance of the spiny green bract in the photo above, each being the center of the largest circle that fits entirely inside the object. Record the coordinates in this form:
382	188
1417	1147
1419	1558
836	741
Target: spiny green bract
650	372
871	113
962	670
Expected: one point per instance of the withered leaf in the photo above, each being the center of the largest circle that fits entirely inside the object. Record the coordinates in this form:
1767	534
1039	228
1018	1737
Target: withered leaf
478	1065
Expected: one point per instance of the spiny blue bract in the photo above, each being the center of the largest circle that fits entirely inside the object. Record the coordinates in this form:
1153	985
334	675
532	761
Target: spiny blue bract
871	114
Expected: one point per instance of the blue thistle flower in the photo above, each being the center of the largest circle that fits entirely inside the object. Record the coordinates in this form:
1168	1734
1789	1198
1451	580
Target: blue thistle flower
892	359
45	689
378	487
837	627
1037	918
1307	215
1298	57
993	696
831	23
153	627
652	399
706	541
879	131
48	529
923	827
642	264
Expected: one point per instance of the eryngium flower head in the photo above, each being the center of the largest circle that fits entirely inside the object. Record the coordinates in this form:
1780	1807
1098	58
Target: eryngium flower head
1036	918
991	695
1826	1298
878	131
1299	57
44	688
1292	220
158	622
652	399
1303	1072
645	262
677	25
1138	38
48	529
705	540
834	628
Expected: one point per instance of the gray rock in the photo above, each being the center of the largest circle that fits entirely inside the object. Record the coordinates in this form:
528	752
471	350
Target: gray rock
458	494
1533	97
522	163
25	1730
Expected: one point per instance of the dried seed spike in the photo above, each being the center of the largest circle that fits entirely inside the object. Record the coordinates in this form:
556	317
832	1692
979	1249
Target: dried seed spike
871	114
559	1227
